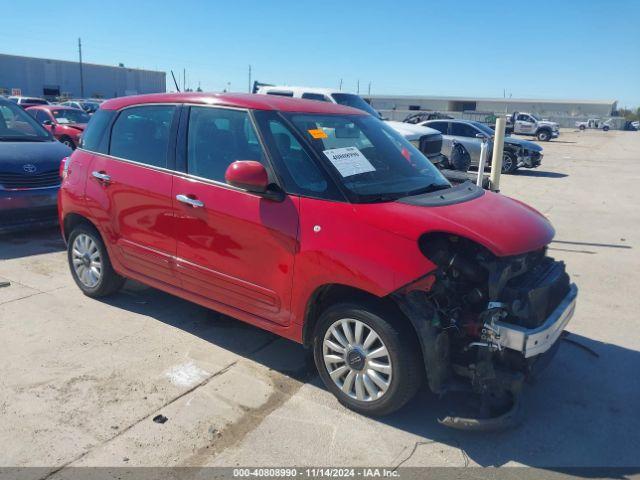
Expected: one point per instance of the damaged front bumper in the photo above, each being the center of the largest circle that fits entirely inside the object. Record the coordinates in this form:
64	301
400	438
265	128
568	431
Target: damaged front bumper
535	341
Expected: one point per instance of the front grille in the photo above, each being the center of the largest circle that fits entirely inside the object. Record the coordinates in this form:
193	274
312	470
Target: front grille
431	144
11	181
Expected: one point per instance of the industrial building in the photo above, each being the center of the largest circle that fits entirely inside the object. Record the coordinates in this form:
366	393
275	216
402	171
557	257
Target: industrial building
41	77
565	112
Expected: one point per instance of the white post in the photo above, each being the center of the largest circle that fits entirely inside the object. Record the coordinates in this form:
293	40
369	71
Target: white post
483	162
498	148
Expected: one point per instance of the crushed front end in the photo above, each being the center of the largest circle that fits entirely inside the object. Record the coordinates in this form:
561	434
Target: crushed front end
486	323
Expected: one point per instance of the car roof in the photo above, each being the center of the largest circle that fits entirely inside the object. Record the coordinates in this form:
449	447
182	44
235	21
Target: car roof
238	100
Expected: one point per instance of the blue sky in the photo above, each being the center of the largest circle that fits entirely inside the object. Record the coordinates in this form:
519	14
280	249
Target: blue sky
560	49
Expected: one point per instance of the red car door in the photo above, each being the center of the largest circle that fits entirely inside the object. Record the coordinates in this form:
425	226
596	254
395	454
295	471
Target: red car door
234	248
129	191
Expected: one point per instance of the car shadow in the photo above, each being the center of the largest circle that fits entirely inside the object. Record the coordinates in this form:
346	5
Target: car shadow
540	173
30	242
582	411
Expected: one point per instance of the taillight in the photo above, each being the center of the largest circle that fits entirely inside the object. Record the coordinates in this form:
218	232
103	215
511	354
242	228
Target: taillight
64	167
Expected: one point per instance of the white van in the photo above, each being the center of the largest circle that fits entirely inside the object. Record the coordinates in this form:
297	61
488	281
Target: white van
428	140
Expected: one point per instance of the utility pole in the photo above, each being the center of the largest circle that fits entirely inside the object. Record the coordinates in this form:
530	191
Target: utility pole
369	89
80	62
358	87
340	88
249	90
184	79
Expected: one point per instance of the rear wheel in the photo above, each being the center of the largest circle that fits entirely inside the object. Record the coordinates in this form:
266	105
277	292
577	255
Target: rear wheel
89	263
369	363
605	128
582	127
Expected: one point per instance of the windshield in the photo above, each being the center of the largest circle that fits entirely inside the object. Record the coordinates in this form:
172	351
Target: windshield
355	101
535	117
368	158
484	128
70	115
18	125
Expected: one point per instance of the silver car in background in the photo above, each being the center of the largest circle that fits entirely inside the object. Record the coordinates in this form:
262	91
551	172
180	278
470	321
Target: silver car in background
469	134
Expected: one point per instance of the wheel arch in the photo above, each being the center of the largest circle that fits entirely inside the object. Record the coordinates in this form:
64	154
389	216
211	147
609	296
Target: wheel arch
71	221
330	294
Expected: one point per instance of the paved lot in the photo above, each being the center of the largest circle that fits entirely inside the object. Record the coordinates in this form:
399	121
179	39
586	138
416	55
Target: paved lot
82	380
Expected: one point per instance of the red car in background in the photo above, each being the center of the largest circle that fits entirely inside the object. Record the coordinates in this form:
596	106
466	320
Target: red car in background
65	123
319	223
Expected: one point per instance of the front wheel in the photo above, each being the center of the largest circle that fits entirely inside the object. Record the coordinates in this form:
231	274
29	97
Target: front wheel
544	135
582	127
605	128
369	362
89	263
509	162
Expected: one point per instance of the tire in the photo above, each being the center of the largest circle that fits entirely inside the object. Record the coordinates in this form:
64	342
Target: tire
366	392
605	128
460	159
544	135
582	127
68	142
509	162
85	250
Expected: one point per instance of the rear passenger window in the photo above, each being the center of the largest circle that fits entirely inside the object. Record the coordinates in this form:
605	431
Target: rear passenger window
94	138
141	134
218	137
440	126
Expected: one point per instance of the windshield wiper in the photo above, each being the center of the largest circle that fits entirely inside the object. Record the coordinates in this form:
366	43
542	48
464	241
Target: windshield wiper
428	189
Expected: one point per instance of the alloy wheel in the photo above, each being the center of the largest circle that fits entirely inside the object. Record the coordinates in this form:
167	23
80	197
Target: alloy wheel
357	360
87	262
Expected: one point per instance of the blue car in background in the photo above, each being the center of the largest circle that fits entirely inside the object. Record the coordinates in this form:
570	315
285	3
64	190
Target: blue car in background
29	170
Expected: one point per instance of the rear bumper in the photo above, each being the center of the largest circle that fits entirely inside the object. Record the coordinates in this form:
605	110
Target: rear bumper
535	341
21	209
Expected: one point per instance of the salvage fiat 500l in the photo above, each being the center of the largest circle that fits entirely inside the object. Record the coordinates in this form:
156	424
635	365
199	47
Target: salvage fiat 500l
320	223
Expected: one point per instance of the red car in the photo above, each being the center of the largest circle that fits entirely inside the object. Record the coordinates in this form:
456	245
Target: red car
65	123
320	223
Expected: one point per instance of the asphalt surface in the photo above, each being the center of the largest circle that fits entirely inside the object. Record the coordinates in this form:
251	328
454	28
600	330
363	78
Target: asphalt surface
81	380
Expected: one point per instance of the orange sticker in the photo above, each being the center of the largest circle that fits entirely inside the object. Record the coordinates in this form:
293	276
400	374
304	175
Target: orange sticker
317	133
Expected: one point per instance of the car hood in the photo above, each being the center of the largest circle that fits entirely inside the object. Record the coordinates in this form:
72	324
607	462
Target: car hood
526	144
44	156
501	224
79	126
410	131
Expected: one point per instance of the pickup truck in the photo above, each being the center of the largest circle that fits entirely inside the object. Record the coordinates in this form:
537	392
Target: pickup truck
523	123
595	123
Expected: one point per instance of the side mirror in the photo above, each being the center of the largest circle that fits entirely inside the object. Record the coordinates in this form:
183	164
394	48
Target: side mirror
48	123
249	175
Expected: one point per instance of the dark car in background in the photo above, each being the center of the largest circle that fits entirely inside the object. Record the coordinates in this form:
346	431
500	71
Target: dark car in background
66	124
29	170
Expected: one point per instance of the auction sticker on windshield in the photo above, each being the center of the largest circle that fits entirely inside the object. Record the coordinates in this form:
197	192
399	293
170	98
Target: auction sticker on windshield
349	161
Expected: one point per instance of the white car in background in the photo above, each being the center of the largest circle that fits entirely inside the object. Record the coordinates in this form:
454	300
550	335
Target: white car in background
427	140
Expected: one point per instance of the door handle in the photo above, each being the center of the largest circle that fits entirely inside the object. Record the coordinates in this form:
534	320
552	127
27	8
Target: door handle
189	201
101	176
